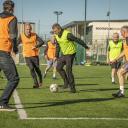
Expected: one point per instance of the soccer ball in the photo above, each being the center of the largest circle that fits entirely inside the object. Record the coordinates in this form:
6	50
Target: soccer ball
53	88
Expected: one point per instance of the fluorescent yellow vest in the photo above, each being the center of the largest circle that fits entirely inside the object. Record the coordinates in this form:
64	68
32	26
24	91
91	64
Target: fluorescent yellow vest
115	49
67	47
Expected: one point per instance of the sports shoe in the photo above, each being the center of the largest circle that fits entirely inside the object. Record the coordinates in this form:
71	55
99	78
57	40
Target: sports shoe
35	86
65	86
7	108
54	77
118	94
113	82
73	90
40	84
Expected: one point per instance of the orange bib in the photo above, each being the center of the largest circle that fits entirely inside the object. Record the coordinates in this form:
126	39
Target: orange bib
5	41
51	50
28	44
125	46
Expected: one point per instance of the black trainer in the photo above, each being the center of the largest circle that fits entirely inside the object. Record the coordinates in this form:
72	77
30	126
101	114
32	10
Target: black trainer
54	77
36	86
7	108
114	82
72	90
118	94
65	86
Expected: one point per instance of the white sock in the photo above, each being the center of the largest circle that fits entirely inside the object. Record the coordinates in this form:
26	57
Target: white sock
113	79
122	89
54	75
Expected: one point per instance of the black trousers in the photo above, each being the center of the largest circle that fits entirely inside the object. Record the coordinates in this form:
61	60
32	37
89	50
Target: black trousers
8	66
67	74
33	64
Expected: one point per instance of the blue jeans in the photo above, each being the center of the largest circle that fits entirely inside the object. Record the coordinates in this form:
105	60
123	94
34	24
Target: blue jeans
8	66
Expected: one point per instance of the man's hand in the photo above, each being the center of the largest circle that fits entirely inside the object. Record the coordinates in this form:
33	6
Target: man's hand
13	54
88	48
113	61
46	57
55	58
108	61
33	48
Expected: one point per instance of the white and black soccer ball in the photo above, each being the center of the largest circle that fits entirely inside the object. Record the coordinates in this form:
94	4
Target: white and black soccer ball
53	88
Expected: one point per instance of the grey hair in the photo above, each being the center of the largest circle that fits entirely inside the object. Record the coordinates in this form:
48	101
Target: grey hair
125	27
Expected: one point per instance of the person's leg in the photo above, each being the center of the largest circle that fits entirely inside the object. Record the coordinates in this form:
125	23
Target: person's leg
113	72
60	64
8	66
37	69
1	74
54	69
126	76
49	64
69	63
121	76
117	67
32	71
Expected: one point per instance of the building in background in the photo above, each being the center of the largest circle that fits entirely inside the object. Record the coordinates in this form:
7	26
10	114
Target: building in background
98	32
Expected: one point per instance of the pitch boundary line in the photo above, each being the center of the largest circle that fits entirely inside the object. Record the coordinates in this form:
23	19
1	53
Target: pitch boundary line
23	114
20	109
77	118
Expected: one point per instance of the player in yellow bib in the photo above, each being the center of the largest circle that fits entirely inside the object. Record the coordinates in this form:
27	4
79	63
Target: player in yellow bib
114	50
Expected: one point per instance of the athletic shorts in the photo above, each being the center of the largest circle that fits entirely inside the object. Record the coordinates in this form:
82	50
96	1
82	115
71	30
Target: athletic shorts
51	63
116	65
125	66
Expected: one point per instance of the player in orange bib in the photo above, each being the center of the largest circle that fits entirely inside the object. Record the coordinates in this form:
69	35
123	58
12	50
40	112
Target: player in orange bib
31	43
8	45
49	53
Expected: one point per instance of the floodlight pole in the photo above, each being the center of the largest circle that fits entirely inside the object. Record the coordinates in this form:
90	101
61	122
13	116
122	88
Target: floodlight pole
108	15
58	13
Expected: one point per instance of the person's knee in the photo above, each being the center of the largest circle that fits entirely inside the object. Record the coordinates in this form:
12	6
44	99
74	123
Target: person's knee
121	72
58	68
31	69
68	68
118	72
14	80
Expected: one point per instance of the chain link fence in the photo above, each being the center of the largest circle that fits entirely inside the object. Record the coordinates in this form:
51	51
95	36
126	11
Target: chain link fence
96	54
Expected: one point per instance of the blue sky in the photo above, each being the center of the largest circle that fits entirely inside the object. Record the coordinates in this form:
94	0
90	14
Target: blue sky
73	10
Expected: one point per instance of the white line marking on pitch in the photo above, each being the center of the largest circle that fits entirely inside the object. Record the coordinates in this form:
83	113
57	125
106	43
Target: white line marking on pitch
23	115
21	112
77	118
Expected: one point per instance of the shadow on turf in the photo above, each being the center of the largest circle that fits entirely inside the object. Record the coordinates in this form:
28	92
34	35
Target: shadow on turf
95	90
65	102
25	77
60	85
86	77
86	84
